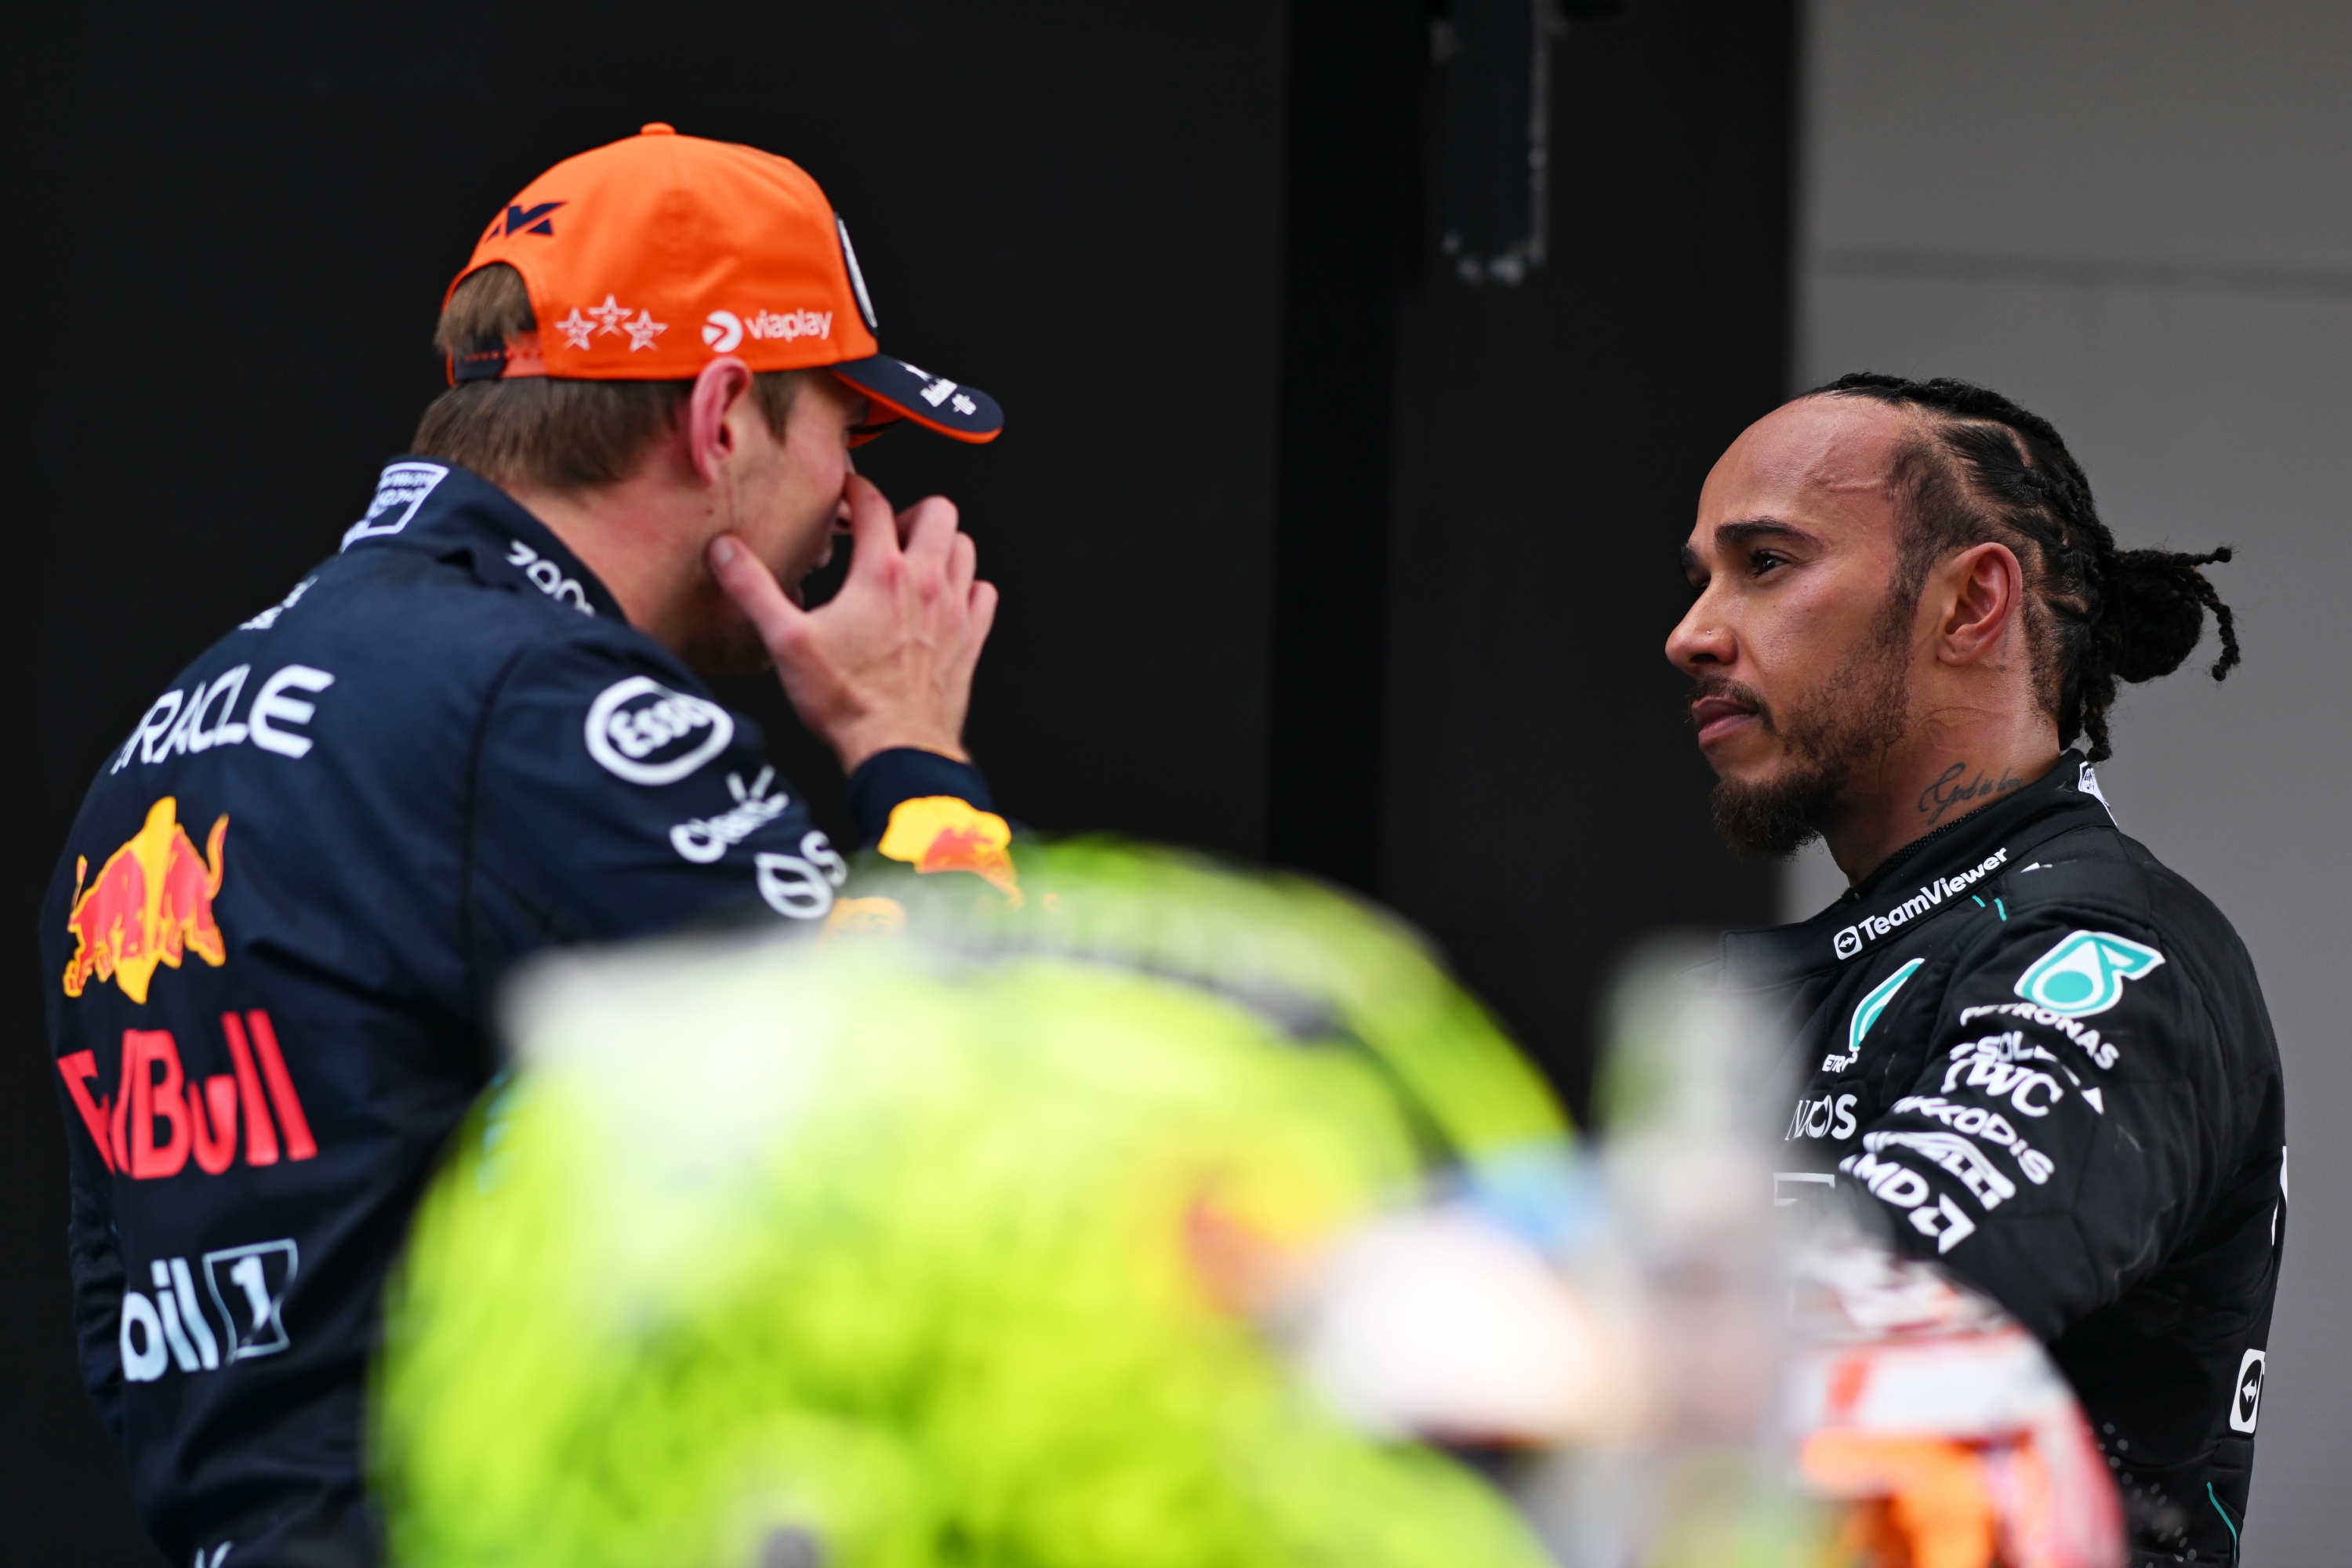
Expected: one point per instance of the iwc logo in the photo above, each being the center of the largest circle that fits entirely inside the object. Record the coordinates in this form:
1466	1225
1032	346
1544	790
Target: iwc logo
641	730
2085	973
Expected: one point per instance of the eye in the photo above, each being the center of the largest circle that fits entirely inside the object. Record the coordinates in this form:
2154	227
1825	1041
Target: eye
1763	560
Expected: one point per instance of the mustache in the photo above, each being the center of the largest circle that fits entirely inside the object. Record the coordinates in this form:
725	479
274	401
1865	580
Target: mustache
1705	686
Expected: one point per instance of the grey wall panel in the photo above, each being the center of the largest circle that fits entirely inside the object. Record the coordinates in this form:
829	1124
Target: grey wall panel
2137	220
2167	131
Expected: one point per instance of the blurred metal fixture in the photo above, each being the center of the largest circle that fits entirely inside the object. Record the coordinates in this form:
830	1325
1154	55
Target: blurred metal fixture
1494	162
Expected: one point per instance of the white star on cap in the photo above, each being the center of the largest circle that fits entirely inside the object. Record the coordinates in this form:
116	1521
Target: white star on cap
644	330
964	406
576	329
610	317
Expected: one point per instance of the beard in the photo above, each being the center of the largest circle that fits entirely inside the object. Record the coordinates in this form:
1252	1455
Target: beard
723	641
1855	714
727	647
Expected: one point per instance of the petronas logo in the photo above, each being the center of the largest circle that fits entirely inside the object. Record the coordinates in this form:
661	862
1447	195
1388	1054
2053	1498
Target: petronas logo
2085	972
1872	1006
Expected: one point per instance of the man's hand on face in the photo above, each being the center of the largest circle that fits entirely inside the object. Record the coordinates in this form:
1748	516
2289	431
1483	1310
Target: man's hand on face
888	660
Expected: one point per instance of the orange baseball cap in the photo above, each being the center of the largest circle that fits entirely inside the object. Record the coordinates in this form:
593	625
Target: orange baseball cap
647	259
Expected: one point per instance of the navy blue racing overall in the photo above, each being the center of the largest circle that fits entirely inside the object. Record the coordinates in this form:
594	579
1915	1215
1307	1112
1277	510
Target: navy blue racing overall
274	941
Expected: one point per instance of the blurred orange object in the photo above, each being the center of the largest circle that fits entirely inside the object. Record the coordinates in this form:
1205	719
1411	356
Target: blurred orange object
1943	1426
1924	1503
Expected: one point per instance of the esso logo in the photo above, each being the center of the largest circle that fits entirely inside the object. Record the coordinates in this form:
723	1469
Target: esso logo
641	730
723	331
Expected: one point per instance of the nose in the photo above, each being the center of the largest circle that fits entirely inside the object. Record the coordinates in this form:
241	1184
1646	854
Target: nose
1702	639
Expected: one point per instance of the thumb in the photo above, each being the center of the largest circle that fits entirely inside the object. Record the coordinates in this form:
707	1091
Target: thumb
745	579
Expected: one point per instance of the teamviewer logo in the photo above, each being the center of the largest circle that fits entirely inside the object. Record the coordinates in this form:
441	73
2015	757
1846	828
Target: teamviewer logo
1849	942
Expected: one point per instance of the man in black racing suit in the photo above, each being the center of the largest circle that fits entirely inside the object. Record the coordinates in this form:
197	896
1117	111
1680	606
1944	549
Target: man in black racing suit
477	731
2042	1057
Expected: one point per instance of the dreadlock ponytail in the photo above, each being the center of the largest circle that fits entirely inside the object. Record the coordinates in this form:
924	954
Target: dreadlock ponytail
2159	600
1987	471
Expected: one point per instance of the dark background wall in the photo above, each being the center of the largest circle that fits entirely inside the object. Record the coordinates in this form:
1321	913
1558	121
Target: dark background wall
244	218
1546	806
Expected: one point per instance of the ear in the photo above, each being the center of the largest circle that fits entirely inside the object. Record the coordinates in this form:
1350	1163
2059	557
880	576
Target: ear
1985	590
723	384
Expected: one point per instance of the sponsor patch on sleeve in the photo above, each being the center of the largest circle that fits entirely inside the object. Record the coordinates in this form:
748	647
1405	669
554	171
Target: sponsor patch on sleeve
641	730
2085	973
943	833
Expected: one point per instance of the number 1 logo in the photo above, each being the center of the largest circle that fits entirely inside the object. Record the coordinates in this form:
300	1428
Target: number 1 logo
249	1285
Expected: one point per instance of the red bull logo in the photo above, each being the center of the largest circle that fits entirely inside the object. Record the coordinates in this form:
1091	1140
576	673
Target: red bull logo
161	1115
941	832
151	903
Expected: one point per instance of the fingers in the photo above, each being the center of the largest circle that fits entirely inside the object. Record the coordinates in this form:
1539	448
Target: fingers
873	531
942	561
963	565
745	579
981	613
928	527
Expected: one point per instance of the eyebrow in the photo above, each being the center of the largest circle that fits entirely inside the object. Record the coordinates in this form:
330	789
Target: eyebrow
1732	535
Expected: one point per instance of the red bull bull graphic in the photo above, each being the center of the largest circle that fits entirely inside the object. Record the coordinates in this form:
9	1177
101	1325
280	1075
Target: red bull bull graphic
160	1116
941	832
151	903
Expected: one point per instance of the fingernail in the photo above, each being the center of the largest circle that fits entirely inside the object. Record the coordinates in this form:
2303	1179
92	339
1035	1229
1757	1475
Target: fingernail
723	551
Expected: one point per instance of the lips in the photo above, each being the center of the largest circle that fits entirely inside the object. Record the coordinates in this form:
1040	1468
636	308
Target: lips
1715	718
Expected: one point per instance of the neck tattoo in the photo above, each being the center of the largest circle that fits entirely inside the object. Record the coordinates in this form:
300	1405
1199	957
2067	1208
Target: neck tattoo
1955	788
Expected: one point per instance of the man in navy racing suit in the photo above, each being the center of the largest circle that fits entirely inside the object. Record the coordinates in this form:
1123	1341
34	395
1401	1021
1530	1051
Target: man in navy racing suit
2039	1054
478	730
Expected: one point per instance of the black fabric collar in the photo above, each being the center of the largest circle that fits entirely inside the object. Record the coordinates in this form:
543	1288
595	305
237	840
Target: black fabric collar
427	503
1946	863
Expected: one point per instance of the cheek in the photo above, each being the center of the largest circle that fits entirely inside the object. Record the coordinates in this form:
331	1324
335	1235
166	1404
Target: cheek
825	467
1797	638
803	484
817	456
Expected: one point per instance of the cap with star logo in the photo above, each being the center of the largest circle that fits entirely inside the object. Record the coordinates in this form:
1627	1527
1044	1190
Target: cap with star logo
647	259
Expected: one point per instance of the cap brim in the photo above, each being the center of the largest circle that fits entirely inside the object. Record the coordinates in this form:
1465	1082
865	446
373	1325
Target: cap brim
901	391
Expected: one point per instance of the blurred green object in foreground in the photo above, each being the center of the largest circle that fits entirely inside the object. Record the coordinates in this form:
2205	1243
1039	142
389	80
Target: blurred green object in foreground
951	1246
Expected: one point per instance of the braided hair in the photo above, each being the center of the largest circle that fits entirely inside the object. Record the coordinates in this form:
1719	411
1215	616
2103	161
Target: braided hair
1989	471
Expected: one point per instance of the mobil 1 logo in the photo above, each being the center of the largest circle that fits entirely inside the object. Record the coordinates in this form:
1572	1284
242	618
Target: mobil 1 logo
236	1312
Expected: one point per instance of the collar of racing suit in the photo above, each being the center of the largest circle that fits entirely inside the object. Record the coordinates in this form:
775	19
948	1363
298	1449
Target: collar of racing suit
428	504
1963	855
